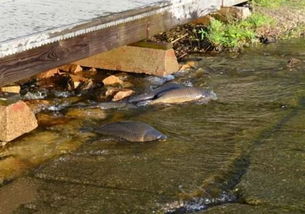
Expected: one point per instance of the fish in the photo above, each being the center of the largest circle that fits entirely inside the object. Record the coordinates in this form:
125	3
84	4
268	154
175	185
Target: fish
185	94
155	93
132	131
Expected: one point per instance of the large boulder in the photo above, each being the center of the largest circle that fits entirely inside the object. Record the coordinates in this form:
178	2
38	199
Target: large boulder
16	119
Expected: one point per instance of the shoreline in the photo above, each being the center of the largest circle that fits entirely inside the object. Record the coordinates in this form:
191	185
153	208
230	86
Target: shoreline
268	23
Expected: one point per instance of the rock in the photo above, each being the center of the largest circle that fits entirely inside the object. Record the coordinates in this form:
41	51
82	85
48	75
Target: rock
38	105
113	105
111	91
35	95
188	65
292	62
228	14
90	74
47	120
62	94
85	86
127	85
11	89
131	131
205	20
47	74
81	113
77	80
112	80
10	168
122	94
73	68
154	80
267	39
58	80
16	119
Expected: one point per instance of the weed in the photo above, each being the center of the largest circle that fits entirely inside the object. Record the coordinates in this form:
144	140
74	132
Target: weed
236	34
269	3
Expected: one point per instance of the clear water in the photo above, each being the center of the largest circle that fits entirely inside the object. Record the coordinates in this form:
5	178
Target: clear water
241	154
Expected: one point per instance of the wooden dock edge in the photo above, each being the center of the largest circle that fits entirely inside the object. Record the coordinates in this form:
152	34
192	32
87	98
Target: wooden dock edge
28	63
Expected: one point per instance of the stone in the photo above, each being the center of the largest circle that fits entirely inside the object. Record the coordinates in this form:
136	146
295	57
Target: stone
227	14
72	68
111	92
122	94
16	119
38	105
293	61
10	168
135	59
47	120
188	65
93	113
47	74
77	80
11	89
112	80
205	20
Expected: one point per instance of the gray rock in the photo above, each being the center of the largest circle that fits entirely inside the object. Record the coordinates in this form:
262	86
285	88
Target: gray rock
113	105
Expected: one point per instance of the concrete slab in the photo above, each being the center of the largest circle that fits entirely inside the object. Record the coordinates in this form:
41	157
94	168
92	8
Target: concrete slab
135	59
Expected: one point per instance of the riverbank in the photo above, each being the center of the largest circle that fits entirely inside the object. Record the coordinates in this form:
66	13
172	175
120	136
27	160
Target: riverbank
270	21
245	148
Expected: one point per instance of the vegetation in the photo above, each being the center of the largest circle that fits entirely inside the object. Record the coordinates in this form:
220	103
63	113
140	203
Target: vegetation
270	21
269	3
235	34
278	3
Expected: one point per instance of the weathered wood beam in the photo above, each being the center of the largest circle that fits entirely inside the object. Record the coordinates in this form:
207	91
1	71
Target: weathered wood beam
146	22
31	62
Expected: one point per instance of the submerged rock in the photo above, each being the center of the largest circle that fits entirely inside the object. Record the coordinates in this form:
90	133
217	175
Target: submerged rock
37	95
112	80
186	94
86	113
112	105
131	131
160	80
293	62
120	95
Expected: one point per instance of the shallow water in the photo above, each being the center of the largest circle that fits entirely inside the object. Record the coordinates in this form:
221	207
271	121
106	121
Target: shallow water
241	154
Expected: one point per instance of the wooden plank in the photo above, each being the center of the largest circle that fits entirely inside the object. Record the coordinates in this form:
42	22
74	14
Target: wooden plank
25	64
27	24
56	22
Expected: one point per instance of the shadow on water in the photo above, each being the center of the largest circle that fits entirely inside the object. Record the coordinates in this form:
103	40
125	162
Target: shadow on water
209	163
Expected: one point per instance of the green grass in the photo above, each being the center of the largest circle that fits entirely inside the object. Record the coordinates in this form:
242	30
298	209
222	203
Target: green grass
235	34
269	3
278	3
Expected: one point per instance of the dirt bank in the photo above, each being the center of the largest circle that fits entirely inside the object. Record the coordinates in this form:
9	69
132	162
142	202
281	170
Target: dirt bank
268	23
